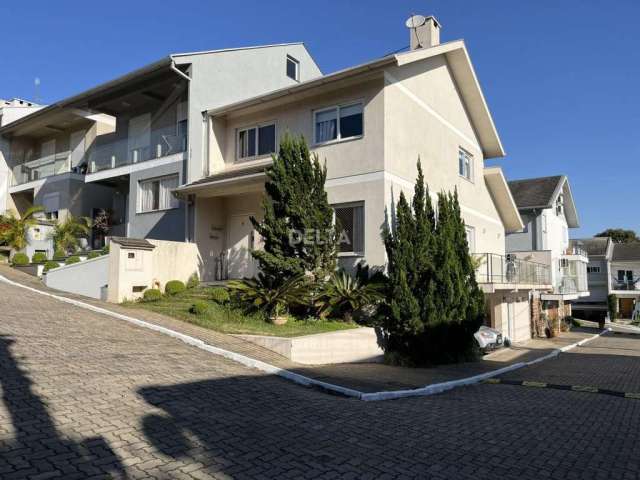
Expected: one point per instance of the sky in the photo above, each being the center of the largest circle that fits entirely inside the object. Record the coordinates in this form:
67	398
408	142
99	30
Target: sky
562	78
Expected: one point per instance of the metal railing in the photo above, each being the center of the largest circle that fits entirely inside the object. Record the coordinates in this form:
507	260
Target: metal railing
494	268
576	251
40	168
626	284
118	153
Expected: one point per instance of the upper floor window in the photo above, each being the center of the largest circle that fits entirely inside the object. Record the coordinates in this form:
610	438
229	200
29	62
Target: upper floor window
471	238
593	269
155	194
338	123
465	164
350	216
256	141
293	68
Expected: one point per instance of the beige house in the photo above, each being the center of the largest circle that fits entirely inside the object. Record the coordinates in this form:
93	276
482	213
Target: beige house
370	124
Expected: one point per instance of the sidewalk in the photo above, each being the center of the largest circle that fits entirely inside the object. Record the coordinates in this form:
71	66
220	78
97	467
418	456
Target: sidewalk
364	377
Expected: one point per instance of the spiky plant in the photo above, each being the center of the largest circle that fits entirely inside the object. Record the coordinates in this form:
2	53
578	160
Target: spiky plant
344	295
15	228
66	234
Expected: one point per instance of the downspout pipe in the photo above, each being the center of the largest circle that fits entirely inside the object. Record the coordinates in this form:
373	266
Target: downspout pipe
178	71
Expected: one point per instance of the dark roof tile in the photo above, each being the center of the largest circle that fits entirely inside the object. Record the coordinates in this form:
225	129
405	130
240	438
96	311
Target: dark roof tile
534	192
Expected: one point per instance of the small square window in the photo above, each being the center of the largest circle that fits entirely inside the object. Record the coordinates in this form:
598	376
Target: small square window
256	141
293	68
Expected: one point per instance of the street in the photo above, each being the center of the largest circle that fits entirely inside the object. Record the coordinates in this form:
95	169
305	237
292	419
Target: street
87	396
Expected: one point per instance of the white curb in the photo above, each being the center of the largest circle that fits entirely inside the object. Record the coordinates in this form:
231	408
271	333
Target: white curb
296	377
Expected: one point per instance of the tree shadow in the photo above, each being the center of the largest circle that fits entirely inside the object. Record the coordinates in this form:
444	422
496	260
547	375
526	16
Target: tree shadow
37	447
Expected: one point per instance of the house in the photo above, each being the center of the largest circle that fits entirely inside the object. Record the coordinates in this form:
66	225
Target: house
548	211
624	281
600	253
121	147
370	123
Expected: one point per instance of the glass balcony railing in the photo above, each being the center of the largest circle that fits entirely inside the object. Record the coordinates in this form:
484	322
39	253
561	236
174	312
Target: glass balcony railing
632	284
42	167
507	269
572	277
118	153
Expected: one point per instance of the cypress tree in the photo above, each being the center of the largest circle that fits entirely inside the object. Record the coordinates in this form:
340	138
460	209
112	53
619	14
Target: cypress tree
297	229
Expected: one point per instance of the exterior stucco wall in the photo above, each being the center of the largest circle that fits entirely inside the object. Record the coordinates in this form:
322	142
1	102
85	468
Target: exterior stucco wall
86	278
425	118
525	240
343	158
516	305
224	78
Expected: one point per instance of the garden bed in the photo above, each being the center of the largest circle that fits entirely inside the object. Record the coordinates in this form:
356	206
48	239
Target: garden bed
228	320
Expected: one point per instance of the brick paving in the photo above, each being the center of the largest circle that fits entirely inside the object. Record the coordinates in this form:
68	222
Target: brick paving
88	396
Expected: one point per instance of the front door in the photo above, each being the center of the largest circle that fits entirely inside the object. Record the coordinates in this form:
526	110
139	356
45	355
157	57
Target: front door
626	307
240	242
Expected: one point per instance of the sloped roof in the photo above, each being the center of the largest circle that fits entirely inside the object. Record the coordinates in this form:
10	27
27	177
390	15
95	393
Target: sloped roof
535	192
626	252
133	243
593	246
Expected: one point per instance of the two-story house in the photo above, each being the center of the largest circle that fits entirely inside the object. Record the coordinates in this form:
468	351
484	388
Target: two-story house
548	211
370	124
122	146
600	252
624	280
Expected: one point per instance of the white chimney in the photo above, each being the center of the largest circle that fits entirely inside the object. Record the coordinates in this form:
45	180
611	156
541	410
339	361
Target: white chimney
424	31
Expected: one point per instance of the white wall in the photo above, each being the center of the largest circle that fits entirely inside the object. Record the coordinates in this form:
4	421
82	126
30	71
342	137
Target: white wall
86	278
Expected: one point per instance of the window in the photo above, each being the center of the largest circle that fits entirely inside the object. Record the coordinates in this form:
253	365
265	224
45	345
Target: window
293	68
256	141
471	238
351	220
155	194
465	164
593	269
338	123
625	275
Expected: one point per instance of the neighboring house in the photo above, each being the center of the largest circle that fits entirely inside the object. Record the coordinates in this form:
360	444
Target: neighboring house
548	211
124	145
370	124
624	281
600	253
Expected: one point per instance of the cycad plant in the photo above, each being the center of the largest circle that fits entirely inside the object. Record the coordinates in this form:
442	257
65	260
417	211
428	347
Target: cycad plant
66	234
15	229
344	295
269	297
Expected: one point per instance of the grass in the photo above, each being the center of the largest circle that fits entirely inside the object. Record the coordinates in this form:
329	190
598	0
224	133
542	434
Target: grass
229	320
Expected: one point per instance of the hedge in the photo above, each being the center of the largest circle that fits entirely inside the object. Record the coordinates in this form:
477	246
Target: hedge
173	287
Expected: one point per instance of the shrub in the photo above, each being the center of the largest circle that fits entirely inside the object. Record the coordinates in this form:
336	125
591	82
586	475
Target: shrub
59	254
50	265
220	295
151	295
273	299
93	254
72	259
20	259
193	281
39	257
105	250
612	306
173	287
344	296
199	307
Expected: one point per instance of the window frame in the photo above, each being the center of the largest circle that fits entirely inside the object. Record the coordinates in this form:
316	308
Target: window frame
354	204
594	269
470	230
296	62
338	138
471	164
256	127
151	180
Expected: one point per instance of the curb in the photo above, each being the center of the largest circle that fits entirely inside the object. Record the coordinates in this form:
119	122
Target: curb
296	377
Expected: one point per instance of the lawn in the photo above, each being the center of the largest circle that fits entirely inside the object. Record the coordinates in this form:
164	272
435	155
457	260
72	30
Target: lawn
227	320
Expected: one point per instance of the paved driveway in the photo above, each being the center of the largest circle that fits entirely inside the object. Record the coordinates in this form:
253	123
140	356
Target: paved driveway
85	395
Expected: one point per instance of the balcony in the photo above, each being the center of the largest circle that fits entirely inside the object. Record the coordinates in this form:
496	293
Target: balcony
107	155
40	168
627	284
510	272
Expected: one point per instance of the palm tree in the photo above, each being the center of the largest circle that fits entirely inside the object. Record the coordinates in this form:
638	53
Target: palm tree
14	229
66	234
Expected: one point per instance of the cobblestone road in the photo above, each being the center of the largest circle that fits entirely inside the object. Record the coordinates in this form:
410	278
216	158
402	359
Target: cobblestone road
88	396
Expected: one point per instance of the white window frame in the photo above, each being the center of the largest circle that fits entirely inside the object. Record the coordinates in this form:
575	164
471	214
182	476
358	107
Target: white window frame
257	128
296	62
176	203
359	203
469	164
594	269
470	230
337	108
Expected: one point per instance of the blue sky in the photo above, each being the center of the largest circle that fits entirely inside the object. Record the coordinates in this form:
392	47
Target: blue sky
561	78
